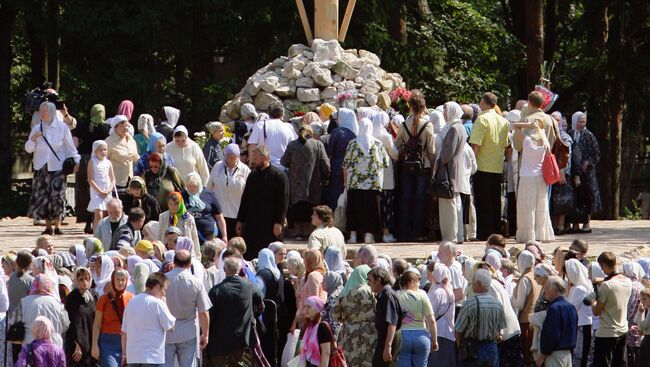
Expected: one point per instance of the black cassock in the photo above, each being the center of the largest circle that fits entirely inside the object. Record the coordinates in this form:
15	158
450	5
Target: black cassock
264	202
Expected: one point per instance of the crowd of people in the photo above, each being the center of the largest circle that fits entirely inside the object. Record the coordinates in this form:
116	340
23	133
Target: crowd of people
186	266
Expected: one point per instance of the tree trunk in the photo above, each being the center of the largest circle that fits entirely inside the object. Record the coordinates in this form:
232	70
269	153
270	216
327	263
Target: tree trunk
534	43
517	17
38	49
397	25
53	40
550	34
8	14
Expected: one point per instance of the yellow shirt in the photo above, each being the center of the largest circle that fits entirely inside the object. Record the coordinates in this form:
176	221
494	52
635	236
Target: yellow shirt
122	155
490	132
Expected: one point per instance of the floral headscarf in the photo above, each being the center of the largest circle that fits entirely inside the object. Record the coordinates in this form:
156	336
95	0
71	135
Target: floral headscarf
44	285
42	328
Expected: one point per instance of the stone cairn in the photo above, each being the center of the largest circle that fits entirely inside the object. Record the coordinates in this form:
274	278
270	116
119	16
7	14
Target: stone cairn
310	76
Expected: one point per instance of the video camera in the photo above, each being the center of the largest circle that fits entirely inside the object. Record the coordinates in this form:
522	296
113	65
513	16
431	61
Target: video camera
36	96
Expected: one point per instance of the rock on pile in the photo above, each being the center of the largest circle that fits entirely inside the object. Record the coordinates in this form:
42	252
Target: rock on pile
308	77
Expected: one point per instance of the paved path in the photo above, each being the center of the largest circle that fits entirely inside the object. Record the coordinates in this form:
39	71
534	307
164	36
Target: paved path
627	238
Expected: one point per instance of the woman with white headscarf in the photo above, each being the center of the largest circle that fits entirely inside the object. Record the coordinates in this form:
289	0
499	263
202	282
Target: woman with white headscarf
169	119
336	148
145	130
533	216
187	155
635	272
450	167
579	287
205	209
526	294
122	152
437	119
101	268
586	154
49	183
379	122
442	300
363	176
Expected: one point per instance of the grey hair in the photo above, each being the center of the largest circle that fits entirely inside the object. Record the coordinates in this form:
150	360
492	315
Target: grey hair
483	277
276	246
558	283
115	200
263	150
449	246
231	265
368	255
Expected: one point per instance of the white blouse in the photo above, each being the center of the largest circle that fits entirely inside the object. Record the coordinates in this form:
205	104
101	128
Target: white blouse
227	185
59	137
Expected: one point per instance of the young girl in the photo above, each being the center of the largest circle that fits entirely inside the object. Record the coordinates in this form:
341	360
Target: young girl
101	180
316	342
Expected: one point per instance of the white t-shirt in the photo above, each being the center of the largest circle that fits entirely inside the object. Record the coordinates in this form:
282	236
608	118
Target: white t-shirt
278	135
532	157
145	323
457	279
576	295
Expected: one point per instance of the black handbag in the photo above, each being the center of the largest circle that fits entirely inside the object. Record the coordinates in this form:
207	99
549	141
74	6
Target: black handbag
68	163
441	187
469	346
16	331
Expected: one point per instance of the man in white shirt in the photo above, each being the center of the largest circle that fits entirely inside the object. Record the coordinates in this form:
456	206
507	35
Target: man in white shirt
145	322
274	134
186	297
447	255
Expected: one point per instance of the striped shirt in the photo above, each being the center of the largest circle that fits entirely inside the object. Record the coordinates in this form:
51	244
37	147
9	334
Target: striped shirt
492	318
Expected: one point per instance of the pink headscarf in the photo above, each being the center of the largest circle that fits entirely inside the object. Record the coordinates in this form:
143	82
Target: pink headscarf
310	346
42	328
125	108
44	285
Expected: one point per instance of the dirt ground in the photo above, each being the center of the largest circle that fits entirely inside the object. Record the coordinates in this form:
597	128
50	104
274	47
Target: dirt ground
629	239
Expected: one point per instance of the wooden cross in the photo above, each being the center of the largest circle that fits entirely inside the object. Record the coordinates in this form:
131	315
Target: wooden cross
326	20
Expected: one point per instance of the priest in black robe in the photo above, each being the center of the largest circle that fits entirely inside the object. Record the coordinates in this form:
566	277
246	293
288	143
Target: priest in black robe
264	204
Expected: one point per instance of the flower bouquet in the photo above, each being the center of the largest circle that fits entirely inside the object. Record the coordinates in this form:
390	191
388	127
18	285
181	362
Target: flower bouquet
347	100
399	100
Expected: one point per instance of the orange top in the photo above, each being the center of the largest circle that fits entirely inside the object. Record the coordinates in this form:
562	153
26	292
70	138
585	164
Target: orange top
111	322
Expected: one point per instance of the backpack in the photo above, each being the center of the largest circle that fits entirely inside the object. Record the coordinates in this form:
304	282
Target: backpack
413	161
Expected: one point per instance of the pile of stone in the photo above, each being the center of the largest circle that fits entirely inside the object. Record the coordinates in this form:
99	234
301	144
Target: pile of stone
310	76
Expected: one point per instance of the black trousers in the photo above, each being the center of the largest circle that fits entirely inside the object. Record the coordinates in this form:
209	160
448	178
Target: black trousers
231	225
487	200
363	212
512	214
610	352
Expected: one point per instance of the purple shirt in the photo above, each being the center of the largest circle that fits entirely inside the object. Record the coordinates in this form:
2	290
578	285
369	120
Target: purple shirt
46	354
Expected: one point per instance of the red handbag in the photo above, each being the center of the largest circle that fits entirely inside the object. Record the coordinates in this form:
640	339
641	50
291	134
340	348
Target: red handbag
550	169
337	359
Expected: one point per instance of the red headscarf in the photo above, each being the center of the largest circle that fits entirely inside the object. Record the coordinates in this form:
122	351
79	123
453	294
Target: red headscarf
125	108
118	295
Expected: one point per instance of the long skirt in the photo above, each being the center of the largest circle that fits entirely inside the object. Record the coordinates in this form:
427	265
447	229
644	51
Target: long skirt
363	211
48	195
645	352
388	209
533	217
445	356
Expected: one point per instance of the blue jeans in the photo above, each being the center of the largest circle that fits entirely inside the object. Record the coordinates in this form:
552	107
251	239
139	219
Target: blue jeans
185	352
412	201
110	350
416	345
487	355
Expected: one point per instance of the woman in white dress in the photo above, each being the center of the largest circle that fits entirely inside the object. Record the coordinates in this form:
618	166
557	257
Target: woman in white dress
101	180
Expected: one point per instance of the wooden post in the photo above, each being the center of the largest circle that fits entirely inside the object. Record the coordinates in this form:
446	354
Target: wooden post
305	21
346	20
326	19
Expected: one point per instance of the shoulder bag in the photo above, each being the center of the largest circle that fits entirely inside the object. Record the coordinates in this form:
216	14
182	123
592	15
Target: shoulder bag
68	163
337	359
560	149
550	169
16	331
469	347
441	187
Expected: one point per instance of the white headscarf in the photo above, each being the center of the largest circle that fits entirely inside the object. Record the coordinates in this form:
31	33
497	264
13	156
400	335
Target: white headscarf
525	261
104	274
577	274
383	264
596	271
348	120
454	112
96	145
172	114
80	258
379	122
151	265
634	271
364	138
145	124
574	119
398	119
440	273
494	259
266	260
131	262
182	129
438	120
116	120
366	112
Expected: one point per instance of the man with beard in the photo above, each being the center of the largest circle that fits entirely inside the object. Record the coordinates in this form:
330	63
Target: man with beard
109	225
264	204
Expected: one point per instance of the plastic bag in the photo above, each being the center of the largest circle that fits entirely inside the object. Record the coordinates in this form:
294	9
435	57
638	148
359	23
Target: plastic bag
339	214
289	350
296	362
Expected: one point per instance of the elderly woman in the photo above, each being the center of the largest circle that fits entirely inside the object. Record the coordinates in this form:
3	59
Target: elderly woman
157	144
51	142
450	166
355	310
635	272
379	122
43	300
212	150
309	170
533	217
584	161
562	196
526	294
205	209
227	181
80	305
336	150
579	287
122	152
415	141
161	179
244	126
177	216
43	351
187	155
443	303
363	177
146	130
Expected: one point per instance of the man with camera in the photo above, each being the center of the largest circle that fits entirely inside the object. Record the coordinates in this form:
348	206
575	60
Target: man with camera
47	94
610	303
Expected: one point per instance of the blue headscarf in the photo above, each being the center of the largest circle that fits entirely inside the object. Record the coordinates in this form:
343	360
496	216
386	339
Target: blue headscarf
266	260
153	139
348	120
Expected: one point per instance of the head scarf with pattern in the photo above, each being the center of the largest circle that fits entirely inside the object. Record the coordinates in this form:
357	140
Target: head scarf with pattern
181	213
45	285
